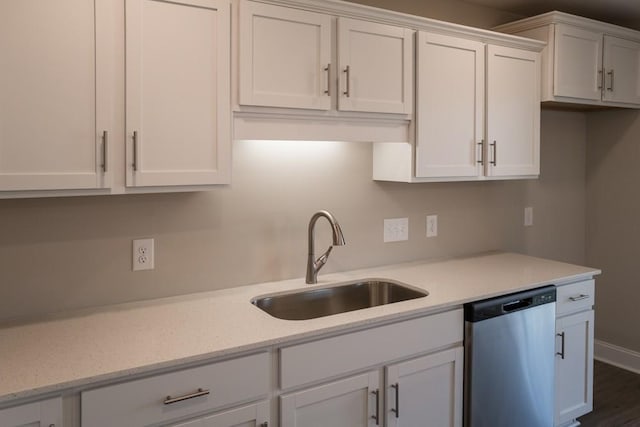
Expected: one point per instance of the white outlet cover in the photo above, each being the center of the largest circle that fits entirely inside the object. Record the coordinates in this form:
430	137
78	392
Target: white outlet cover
143	255
432	225
396	229
528	216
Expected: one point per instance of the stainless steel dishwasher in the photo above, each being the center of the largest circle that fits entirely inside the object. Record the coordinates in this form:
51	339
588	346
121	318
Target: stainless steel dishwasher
509	360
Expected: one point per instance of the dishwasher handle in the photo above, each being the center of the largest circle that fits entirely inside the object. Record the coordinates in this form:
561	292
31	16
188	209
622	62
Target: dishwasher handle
516	305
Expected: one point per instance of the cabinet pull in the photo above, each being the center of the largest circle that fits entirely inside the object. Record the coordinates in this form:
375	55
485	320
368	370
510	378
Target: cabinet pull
105	141
347	71
396	410
481	144
610	88
600	79
494	145
579	297
328	70
561	353
135	150
201	392
376	417
264	424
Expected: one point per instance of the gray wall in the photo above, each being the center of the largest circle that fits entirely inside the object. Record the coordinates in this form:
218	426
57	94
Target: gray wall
613	217
68	253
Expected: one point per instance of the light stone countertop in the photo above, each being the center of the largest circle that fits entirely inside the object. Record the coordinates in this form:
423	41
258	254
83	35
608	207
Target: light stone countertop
81	348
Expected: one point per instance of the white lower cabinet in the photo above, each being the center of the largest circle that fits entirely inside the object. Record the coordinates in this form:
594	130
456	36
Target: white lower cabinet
348	402
45	413
256	415
426	391
173	398
422	362
574	352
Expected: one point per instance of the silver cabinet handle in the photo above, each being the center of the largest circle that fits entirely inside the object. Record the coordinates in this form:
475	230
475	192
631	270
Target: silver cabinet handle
347	71
481	144
561	353
610	88
376	417
135	150
105	141
579	297
600	79
494	145
201	392
396	410
328	70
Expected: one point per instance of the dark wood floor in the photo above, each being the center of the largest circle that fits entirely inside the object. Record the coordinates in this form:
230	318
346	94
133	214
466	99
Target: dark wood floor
616	398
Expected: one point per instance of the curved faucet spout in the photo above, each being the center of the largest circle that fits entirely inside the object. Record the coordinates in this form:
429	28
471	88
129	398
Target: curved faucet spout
314	265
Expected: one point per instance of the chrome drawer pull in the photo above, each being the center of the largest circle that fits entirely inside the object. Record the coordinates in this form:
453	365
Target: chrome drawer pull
201	392
376	417
579	297
396	386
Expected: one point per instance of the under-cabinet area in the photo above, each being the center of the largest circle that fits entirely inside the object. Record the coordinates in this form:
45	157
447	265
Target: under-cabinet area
392	365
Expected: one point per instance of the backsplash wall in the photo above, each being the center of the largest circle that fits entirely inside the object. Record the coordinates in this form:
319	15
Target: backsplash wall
66	253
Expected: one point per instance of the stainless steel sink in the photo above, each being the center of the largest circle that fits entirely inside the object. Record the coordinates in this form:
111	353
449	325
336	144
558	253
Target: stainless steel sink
319	302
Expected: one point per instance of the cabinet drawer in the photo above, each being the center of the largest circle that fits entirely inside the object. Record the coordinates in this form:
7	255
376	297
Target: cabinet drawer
317	360
149	400
575	297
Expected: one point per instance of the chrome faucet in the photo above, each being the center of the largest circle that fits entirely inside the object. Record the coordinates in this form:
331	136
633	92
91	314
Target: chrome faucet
314	265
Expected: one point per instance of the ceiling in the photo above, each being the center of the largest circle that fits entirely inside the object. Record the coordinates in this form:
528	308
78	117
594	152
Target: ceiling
621	12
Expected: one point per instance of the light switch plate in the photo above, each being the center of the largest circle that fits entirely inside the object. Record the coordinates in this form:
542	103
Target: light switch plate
396	229
528	216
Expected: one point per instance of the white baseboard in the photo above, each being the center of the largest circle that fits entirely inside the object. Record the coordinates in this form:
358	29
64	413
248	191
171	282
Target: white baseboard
617	356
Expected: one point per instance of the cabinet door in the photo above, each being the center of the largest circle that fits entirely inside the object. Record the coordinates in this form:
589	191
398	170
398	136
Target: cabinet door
513	112
574	366
178	92
621	68
577	63
284	58
52	108
256	415
47	413
375	67
426	391
351	402
450	128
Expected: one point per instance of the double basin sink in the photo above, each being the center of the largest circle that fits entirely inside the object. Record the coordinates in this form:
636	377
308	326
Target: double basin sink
319	302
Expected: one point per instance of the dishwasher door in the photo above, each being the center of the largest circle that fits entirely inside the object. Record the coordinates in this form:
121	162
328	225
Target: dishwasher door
510	360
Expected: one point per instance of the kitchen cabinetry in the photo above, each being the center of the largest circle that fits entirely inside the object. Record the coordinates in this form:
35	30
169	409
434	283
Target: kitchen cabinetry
185	394
54	113
63	100
574	352
46	413
287	58
585	61
486	131
177	92
427	388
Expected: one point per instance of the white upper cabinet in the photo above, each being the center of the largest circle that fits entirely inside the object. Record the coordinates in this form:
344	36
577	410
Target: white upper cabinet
579	73
477	114
621	65
585	61
374	66
290	58
177	92
285	57
449	106
513	112
52	96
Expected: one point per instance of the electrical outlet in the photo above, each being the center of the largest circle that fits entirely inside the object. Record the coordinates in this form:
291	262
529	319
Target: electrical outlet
396	229
143	255
432	225
528	216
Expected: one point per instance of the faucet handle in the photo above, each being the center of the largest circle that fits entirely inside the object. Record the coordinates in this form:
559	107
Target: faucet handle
322	259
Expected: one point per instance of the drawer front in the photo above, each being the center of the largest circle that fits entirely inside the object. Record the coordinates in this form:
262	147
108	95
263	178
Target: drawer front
157	399
575	297
325	358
